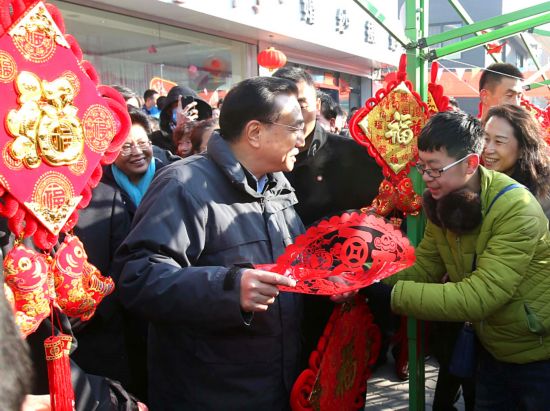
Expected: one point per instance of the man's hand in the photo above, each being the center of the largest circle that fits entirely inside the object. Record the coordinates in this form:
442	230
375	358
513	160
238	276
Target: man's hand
259	289
36	403
343	297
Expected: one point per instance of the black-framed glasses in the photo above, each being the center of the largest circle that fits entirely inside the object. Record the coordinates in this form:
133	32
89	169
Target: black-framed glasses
296	129
436	172
127	148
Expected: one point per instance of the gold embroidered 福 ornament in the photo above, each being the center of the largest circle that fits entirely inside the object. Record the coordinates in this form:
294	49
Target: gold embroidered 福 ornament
388	126
60	127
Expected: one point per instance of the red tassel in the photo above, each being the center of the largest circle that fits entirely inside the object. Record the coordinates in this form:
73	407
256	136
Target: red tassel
59	372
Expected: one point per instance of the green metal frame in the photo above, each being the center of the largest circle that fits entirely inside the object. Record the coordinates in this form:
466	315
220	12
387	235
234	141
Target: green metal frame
537	10
497	34
532	55
416	28
465	16
537	85
540	32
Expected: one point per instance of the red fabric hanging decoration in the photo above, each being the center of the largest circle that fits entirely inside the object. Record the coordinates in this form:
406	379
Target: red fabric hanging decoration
344	253
59	372
341	364
388	126
437	100
60	127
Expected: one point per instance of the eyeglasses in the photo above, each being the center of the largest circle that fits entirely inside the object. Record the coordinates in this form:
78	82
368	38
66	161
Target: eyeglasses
126	149
436	172
292	128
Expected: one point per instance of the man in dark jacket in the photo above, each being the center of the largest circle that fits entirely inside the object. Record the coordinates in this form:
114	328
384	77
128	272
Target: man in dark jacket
332	174
221	337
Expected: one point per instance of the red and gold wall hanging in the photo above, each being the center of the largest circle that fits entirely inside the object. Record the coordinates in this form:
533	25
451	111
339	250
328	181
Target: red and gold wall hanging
388	126
60	127
341	363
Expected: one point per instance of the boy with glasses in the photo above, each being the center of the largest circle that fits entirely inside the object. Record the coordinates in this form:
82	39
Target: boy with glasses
491	236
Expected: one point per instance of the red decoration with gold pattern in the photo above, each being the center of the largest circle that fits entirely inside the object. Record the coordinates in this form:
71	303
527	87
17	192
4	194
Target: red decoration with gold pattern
79	287
389	124
344	253
336	378
26	274
60	127
401	197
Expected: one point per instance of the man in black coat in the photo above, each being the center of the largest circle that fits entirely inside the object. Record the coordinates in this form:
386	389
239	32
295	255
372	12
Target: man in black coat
332	174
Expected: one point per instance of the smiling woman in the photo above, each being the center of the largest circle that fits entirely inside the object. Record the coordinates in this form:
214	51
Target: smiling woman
514	145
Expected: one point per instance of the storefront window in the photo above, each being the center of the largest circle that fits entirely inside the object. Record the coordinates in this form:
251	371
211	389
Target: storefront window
141	54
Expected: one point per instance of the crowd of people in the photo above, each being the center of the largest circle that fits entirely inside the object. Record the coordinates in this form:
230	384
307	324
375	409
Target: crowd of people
199	195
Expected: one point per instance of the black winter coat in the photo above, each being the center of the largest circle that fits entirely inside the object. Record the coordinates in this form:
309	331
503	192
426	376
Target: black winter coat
176	275
335	174
112	343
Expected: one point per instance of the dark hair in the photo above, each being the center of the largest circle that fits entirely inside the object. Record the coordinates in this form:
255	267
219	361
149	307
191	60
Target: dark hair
294	74
197	131
494	74
149	93
455	131
252	99
533	164
139	117
126	92
15	363
330	109
161	101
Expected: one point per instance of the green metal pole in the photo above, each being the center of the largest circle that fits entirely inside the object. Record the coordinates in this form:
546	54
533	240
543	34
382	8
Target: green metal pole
541	32
416	27
486	24
497	34
468	20
537	85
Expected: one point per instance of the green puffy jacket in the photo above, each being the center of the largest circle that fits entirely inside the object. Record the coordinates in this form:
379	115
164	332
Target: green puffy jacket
507	295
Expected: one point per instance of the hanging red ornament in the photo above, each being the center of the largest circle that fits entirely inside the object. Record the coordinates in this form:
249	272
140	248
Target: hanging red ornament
336	378
437	100
271	58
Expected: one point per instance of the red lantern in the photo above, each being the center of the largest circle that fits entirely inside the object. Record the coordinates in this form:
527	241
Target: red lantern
271	58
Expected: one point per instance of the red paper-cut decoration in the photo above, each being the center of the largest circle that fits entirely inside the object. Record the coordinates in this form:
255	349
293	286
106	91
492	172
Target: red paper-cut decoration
336	378
344	253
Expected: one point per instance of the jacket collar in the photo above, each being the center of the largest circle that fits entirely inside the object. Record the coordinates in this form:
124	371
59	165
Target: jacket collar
319	138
